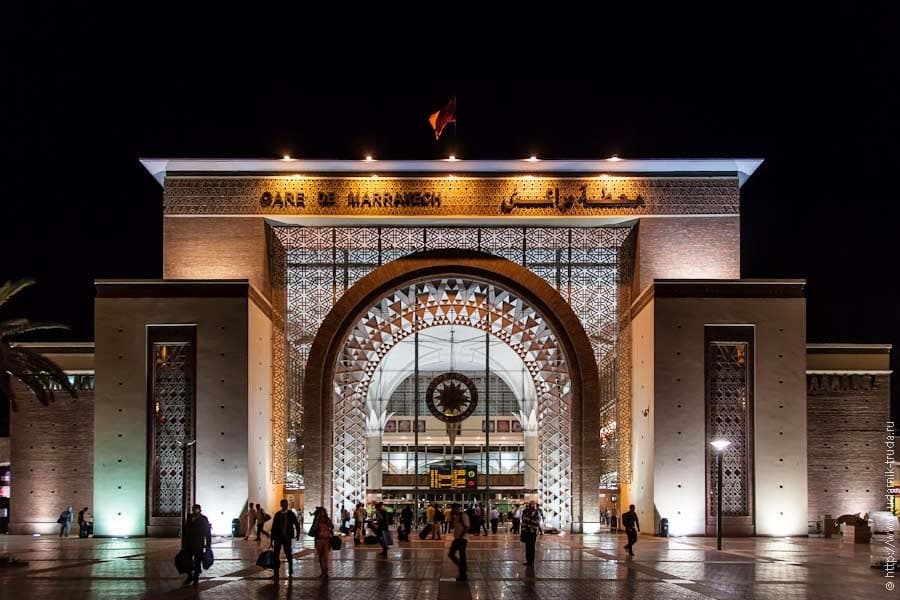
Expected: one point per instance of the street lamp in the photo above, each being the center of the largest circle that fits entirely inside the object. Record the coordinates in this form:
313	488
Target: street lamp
720	446
184	481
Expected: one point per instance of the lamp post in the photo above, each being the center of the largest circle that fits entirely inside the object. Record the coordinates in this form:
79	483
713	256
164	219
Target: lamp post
184	482
720	446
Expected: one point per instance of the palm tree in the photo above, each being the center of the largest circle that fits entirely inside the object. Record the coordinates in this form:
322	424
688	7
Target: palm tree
35	371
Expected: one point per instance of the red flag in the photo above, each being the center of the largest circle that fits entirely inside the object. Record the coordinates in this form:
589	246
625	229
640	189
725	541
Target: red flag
441	118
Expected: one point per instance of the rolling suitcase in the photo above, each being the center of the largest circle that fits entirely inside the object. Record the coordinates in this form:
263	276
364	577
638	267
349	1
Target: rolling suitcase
426	531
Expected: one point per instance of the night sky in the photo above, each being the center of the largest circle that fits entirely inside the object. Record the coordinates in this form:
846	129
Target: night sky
83	97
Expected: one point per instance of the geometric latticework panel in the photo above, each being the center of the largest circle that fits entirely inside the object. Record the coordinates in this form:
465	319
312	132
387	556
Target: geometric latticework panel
312	267
172	424
728	414
463	302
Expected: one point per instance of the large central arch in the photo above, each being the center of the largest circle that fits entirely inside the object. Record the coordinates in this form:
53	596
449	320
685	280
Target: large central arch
331	340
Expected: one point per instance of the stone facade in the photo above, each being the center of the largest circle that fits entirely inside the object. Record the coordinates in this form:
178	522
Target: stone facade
669	411
848	410
220	311
51	448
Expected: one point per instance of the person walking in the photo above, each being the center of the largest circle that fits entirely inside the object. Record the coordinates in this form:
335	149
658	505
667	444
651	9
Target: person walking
438	523
530	527
632	527
195	537
345	520
323	529
448	526
359	517
516	519
406	521
495	520
483	519
82	523
261	518
251	521
285	528
65	522
429	518
459	523
380	526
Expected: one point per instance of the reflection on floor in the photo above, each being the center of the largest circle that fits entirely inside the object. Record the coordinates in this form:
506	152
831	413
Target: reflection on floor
568	567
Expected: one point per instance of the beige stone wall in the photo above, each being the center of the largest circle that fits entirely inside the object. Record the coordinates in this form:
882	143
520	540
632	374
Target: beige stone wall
780	409
640	492
120	440
216	248
261	490
687	248
51	460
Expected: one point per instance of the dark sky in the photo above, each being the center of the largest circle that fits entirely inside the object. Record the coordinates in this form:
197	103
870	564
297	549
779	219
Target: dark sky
84	95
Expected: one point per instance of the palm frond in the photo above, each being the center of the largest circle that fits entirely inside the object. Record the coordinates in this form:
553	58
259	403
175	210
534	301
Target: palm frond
11	288
42	365
37	373
38	386
15	327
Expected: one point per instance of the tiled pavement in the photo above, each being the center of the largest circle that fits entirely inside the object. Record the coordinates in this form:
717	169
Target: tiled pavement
568	567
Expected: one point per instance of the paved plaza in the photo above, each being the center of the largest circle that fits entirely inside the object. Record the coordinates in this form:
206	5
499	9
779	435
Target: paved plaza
568	567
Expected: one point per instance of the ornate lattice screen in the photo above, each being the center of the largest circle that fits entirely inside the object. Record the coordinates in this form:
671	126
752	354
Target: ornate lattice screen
728	417
171	414
316	265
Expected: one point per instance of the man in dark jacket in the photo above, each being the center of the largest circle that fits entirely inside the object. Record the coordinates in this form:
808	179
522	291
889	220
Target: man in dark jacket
285	528
195	536
632	527
381	525
406	520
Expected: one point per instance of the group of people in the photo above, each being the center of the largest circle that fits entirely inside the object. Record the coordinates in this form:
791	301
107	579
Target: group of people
85	522
460	523
287	526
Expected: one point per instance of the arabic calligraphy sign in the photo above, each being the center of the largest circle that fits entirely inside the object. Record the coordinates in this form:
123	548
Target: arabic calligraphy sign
451	196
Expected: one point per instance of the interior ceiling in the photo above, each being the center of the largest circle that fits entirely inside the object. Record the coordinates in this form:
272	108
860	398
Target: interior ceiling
451	348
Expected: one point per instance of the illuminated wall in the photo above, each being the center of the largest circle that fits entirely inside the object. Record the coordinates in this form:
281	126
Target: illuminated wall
681	313
123	311
643	414
51	454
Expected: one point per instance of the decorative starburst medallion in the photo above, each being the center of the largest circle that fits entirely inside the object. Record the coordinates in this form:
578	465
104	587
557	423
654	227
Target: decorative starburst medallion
451	397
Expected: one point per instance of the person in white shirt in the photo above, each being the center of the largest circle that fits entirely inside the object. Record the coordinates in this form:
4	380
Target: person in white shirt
495	520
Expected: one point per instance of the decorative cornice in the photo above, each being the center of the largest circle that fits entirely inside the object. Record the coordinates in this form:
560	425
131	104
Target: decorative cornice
173	288
719	288
848	348
742	168
57	347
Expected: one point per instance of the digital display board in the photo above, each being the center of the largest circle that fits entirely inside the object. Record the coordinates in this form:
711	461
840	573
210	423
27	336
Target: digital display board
461	477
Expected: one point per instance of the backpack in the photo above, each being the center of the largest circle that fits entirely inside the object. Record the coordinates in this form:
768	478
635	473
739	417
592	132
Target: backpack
266	517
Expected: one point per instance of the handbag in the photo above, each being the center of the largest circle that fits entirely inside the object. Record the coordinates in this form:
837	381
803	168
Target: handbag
267	560
183	562
388	537
335	542
206	559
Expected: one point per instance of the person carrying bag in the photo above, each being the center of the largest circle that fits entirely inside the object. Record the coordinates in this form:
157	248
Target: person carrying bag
285	528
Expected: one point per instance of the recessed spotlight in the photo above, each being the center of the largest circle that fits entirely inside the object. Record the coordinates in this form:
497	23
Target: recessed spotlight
532	158
452	158
369	158
614	158
286	157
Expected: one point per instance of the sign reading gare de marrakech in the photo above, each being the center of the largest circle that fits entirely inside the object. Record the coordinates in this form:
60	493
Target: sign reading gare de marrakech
602	195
